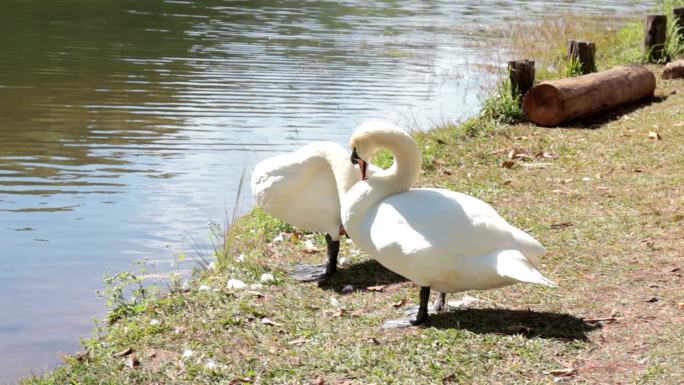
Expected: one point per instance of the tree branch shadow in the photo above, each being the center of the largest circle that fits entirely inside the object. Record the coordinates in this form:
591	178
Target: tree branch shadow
510	322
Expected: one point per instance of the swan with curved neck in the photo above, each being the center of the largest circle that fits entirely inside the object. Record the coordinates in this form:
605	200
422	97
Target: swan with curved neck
304	188
438	238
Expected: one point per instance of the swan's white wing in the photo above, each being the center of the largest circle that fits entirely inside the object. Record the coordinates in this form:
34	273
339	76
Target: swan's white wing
447	221
449	241
300	189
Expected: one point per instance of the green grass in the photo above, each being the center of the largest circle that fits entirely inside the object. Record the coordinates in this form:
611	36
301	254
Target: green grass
604	198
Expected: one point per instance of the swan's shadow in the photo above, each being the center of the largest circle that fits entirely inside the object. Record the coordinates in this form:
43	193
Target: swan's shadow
509	322
360	275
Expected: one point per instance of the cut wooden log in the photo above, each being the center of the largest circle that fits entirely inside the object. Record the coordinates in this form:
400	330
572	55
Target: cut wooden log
554	102
655	29
679	23
583	52
674	70
521	73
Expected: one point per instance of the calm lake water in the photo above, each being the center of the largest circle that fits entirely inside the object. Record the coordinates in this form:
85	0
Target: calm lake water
125	125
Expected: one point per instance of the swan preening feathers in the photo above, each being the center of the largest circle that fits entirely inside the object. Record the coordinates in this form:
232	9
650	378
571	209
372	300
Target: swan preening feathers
440	239
304	188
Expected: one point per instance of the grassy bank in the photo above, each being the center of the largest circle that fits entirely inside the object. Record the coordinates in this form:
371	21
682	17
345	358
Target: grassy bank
605	196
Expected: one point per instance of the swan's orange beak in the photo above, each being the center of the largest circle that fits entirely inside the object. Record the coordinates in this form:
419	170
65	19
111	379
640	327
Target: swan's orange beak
363	165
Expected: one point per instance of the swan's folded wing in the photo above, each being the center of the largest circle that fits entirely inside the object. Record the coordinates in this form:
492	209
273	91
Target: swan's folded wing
445	222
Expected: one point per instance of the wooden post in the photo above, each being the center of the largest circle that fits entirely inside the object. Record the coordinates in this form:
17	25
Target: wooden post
679	23
521	73
583	53
554	102
655	28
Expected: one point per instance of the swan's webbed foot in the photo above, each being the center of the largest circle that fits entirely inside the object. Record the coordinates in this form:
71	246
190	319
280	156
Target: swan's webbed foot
422	315
308	273
439	302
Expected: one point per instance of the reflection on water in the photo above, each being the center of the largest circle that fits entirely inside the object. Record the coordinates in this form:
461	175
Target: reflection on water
124	125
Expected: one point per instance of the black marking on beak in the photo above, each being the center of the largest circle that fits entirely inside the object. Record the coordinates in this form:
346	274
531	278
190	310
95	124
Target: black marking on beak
355	157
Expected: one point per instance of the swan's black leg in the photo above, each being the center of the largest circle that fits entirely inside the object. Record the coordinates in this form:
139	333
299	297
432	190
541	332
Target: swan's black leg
333	251
422	315
307	273
439	302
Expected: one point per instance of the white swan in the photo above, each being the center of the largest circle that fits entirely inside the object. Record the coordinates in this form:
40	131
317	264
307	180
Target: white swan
304	188
437	238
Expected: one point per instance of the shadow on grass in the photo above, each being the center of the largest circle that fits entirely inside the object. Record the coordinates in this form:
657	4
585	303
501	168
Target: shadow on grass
360	275
509	322
598	120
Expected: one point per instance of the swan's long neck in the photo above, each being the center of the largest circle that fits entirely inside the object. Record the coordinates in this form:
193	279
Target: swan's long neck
337	159
398	178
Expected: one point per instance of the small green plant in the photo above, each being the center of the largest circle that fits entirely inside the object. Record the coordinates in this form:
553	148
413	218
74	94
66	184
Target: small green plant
501	107
383	159
125	293
674	42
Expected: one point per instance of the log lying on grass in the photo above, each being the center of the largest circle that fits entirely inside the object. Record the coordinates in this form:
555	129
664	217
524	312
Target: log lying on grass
554	102
674	70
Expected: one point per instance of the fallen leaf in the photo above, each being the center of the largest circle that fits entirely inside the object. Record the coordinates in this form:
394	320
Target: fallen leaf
294	237
309	247
518	154
563	372
132	361
376	288
239	381
508	164
507	182
604	319
498	151
449	379
465	301
654	135
124	352
400	303
651	300
562	225
638	170
269	322
440	141
522	137
544	155
298	341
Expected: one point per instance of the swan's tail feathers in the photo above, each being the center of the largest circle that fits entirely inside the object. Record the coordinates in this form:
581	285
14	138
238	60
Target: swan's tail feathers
513	264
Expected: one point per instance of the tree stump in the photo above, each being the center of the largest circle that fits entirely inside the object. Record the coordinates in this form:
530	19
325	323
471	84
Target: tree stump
679	23
521	73
583	53
554	102
655	28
